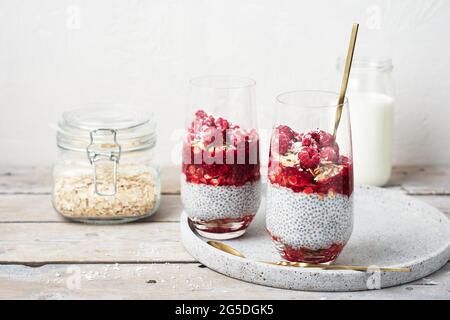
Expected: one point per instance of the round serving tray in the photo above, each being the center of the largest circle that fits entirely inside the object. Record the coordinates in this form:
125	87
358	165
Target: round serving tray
390	230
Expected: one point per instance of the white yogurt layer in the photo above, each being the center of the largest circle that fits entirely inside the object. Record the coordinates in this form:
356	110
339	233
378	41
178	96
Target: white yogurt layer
308	220
207	202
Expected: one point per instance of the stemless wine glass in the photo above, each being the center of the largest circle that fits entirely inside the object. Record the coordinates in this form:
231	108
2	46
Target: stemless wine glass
220	181
310	178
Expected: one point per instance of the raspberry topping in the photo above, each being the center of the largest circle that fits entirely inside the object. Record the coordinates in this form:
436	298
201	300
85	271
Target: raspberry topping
287	131
283	138
222	124
325	139
309	157
216	152
282	143
309	162
306	141
200	114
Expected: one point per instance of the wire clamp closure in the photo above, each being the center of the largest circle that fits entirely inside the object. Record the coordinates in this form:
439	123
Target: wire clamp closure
104	148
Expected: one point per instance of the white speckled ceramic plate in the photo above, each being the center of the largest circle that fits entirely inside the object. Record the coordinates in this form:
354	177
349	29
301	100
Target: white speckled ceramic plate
390	230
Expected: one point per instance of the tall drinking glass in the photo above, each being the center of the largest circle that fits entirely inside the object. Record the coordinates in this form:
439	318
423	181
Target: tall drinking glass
309	211
220	181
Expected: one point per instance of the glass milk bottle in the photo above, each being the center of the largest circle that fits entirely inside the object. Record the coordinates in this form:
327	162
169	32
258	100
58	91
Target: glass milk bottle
371	95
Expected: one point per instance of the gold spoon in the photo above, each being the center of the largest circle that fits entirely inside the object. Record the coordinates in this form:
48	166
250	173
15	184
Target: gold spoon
225	248
348	65
337	267
228	249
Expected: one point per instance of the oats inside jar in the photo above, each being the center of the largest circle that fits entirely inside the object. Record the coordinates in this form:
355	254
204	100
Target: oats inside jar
136	194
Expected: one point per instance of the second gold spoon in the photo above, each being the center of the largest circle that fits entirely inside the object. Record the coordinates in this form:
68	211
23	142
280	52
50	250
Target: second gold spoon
228	249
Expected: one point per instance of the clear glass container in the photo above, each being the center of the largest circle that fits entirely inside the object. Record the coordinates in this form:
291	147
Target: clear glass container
372	97
220	180
107	170
309	208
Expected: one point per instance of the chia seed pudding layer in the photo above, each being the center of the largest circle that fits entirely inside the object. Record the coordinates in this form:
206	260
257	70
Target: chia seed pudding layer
310	221
207	203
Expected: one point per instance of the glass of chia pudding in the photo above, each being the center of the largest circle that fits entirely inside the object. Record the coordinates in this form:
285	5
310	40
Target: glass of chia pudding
309	212
220	180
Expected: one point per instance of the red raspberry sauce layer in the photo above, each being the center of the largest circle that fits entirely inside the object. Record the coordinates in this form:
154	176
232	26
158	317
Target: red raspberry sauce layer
307	255
309	162
218	153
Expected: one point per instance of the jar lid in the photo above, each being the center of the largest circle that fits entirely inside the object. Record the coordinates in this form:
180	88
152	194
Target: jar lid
132	130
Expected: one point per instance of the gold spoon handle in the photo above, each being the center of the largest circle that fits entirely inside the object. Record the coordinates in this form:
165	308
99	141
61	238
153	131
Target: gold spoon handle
346	75
336	267
228	249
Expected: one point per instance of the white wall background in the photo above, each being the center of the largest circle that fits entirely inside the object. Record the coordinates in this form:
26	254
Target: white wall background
56	54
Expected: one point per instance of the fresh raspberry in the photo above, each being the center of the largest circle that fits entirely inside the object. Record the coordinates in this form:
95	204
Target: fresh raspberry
281	143
283	138
212	135
200	114
286	130
306	141
309	141
344	160
325	139
315	135
210	121
222	124
309	157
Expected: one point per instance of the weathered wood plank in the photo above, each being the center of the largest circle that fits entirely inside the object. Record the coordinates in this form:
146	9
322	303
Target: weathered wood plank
25	180
178	281
425	180
170	179
40	243
38	208
38	180
440	202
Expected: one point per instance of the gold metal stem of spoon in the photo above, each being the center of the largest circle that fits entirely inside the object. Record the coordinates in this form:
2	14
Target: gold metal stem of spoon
337	267
345	77
228	249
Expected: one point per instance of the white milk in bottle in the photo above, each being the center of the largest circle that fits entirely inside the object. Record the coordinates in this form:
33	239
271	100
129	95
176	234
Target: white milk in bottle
371	103
372	116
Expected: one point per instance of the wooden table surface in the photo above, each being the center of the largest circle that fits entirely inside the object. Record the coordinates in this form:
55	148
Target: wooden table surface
43	256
